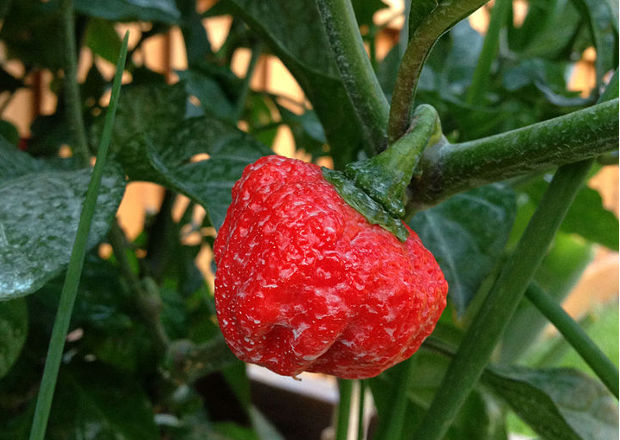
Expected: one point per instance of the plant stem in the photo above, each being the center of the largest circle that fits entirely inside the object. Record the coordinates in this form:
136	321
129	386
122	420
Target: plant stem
491	320
360	410
355	69
245	86
385	177
576	337
452	168
145	291
71	87
499	13
74	270
344	408
398	408
441	19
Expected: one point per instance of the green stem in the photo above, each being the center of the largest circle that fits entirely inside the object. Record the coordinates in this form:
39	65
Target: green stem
71	87
452	168
74	270
376	187
576	337
499	14
421	41
355	69
146	293
360	410
491	320
398	408
344	408
245	86
385	177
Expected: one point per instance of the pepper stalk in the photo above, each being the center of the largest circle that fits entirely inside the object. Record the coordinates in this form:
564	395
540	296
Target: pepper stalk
377	187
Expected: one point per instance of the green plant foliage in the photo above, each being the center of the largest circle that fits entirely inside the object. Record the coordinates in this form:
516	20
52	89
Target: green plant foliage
587	216
159	146
473	226
303	47
143	335
558	273
557	403
13	331
26	29
130	10
97	402
480	416
39	221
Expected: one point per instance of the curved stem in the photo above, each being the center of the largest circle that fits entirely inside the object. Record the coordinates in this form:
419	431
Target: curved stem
490	322
480	79
71	87
452	168
576	337
355	69
441	19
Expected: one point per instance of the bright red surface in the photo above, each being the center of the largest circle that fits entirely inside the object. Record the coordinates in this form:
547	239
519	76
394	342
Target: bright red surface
305	283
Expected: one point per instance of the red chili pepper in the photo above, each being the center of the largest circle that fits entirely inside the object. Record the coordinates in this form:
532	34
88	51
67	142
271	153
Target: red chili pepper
305	283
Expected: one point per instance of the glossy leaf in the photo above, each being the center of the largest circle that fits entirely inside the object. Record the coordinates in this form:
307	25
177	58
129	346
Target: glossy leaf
204	85
39	220
549	28
366	9
479	418
103	40
93	402
153	142
303	47
586	217
472	226
13	331
15	163
130	10
604	30
26	31
559	404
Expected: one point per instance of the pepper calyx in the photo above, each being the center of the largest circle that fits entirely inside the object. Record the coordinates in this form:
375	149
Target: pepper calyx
376	187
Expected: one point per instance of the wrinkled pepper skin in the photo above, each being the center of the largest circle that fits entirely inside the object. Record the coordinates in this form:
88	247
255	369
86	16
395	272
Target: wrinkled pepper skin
305	283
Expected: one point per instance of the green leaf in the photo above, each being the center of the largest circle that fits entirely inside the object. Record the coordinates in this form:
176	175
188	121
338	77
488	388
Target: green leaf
13	330
303	47
365	10
26	31
481	417
586	217
189	361
39	220
472	226
559	404
8	82
103	40
604	31
307	131
130	10
153	142
15	163
8	132
204	85
549	29
93	402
